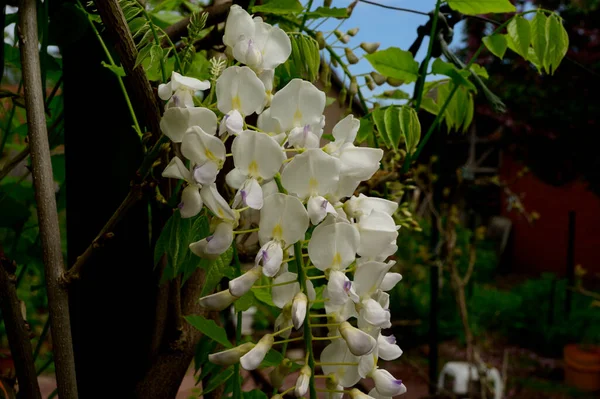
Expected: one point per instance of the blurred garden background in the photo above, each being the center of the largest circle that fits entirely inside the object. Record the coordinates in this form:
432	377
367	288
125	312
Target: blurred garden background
500	249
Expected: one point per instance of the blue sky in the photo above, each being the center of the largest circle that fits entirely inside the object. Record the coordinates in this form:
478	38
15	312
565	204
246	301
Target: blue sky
389	27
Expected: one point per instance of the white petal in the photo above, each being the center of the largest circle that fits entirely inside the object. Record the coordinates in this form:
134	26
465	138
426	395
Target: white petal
387	348
267	76
389	281
283	321
174	123
192	84
318	207
218	301
257	154
374	314
346	130
356	394
247	52
275	43
360	162
339	288
284	294
164	91
233	122
298	104
213	246
359	342
242	284
239	88
333	246
249	194
366	364
204	118
191	202
377	231
200	147
268	124
270	256
346	187
216	203
206	173
235	178
239	24
338	352
362	205
304	137
303	381
230	356
386	384
252	359
311	173
177	170
368	277
283	217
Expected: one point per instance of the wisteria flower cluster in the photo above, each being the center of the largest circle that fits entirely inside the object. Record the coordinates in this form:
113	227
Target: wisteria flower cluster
303	191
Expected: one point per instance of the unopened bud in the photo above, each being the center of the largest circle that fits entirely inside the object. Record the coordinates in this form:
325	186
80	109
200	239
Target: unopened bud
230	356
334	63
320	40
353	89
252	359
356	394
338	34
327	3
351	7
394	82
218	301
299	305
342	96
345	39
279	373
303	381
378	78
370	47
242	284
350	56
369	82
359	342
352	32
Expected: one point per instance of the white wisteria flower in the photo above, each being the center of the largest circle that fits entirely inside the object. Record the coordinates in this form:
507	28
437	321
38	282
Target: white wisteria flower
239	93
179	91
283	221
257	157
333	246
255	43
176	121
299	109
252	359
230	356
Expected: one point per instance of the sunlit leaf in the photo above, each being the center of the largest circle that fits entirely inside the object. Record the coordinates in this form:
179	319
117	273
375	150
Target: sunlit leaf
395	63
496	44
519	32
209	328
474	7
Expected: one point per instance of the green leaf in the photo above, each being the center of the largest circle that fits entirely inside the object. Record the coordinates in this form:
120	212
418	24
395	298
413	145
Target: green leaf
538	35
203	349
142	54
392	126
480	71
365	130
209	328
394	95
496	44
216	270
519	32
411	127
117	70
429	105
254	394
272	359
263	294
280	7
395	63
245	302
379	119
557	43
459	77
324	12
217	380
474	7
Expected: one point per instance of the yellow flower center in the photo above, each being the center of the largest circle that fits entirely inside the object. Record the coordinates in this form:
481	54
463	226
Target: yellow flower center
253	169
277	232
297	116
235	103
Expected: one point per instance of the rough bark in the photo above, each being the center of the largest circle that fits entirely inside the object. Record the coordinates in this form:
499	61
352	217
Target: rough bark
46	202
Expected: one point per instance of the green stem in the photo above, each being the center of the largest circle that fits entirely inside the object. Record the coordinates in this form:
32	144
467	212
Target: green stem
237	387
306	14
425	65
163	70
308	338
112	63
178	65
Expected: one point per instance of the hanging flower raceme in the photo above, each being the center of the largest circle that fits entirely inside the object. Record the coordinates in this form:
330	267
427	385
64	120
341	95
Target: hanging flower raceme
312	228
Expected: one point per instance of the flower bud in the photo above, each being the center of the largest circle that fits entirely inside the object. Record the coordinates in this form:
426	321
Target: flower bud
327	3
350	8
302	381
369	82
218	301
387	348
279	373
270	255
345	39
230	356
353	88
353	31
338	34
213	246
386	384
389	281
370	47
350	56
394	82
378	78
299	305
334	62
356	394
320	40
242	284
252	359
359	342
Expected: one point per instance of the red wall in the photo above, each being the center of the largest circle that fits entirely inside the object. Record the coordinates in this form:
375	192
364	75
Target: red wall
542	247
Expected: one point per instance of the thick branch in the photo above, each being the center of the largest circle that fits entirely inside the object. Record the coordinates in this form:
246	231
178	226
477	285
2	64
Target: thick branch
117	28
46	202
17	332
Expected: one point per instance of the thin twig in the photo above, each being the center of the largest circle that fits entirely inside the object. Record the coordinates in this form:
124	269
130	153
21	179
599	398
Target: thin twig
394	7
16	330
43	180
